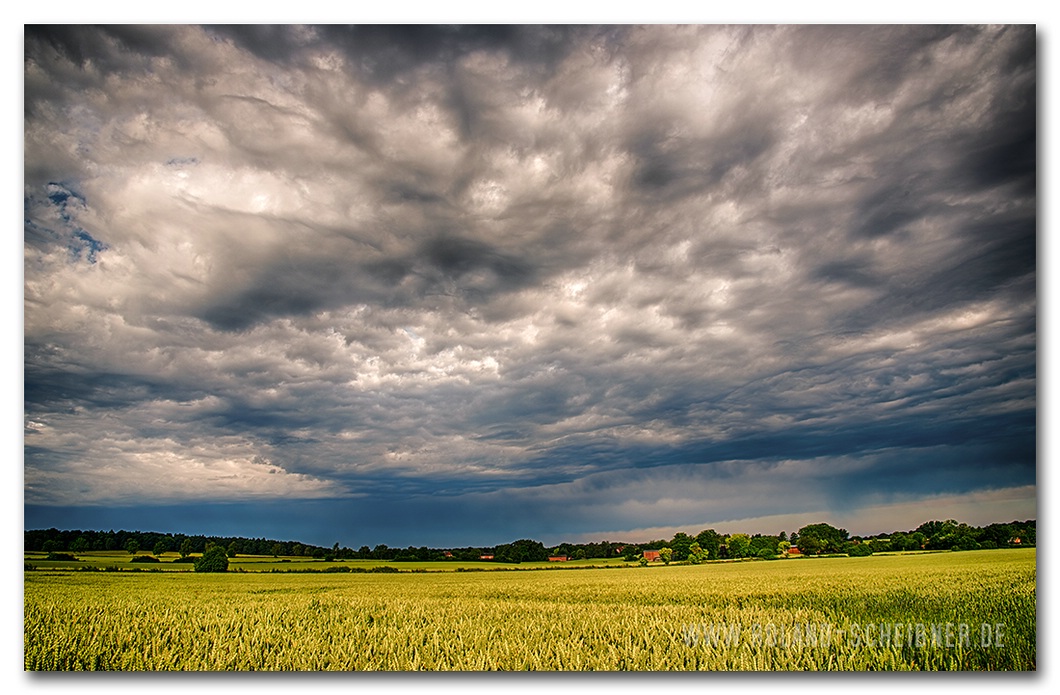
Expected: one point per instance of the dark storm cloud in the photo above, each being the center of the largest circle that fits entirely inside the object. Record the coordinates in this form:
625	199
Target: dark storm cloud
468	269
675	167
116	48
382	54
531	279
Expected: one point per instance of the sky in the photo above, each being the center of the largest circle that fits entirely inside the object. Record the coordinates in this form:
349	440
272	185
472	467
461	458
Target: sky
461	285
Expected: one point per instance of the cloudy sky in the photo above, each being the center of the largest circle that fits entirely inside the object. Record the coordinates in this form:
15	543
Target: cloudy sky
451	286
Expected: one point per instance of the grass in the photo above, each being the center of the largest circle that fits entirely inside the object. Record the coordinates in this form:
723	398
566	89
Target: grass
659	618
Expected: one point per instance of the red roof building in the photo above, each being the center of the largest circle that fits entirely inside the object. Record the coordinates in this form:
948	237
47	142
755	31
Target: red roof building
651	555
557	558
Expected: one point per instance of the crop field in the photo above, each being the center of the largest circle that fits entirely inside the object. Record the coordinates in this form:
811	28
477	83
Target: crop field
945	611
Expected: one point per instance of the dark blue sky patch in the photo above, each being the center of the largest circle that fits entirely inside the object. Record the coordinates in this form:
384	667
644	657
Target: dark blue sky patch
56	222
61	195
86	247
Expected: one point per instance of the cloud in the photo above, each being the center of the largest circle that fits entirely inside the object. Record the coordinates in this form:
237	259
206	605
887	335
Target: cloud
432	264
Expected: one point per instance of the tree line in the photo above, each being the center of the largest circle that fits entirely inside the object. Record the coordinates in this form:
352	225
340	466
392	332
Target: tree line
55	540
825	539
812	539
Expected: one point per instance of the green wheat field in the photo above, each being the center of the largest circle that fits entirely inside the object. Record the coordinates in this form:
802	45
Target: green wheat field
922	612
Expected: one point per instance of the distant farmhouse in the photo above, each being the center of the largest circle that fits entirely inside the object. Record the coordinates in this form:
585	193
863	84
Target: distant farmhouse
557	558
651	555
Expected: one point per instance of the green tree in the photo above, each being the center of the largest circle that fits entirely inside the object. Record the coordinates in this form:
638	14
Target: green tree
739	545
233	549
132	546
758	543
681	545
710	541
898	541
214	559
523	550
79	544
810	545
696	554
858	549
666	555
934	528
818	538
160	547
186	547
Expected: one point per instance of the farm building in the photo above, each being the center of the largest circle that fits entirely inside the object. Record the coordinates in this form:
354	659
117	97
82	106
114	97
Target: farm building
557	558
794	551
485	557
651	555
